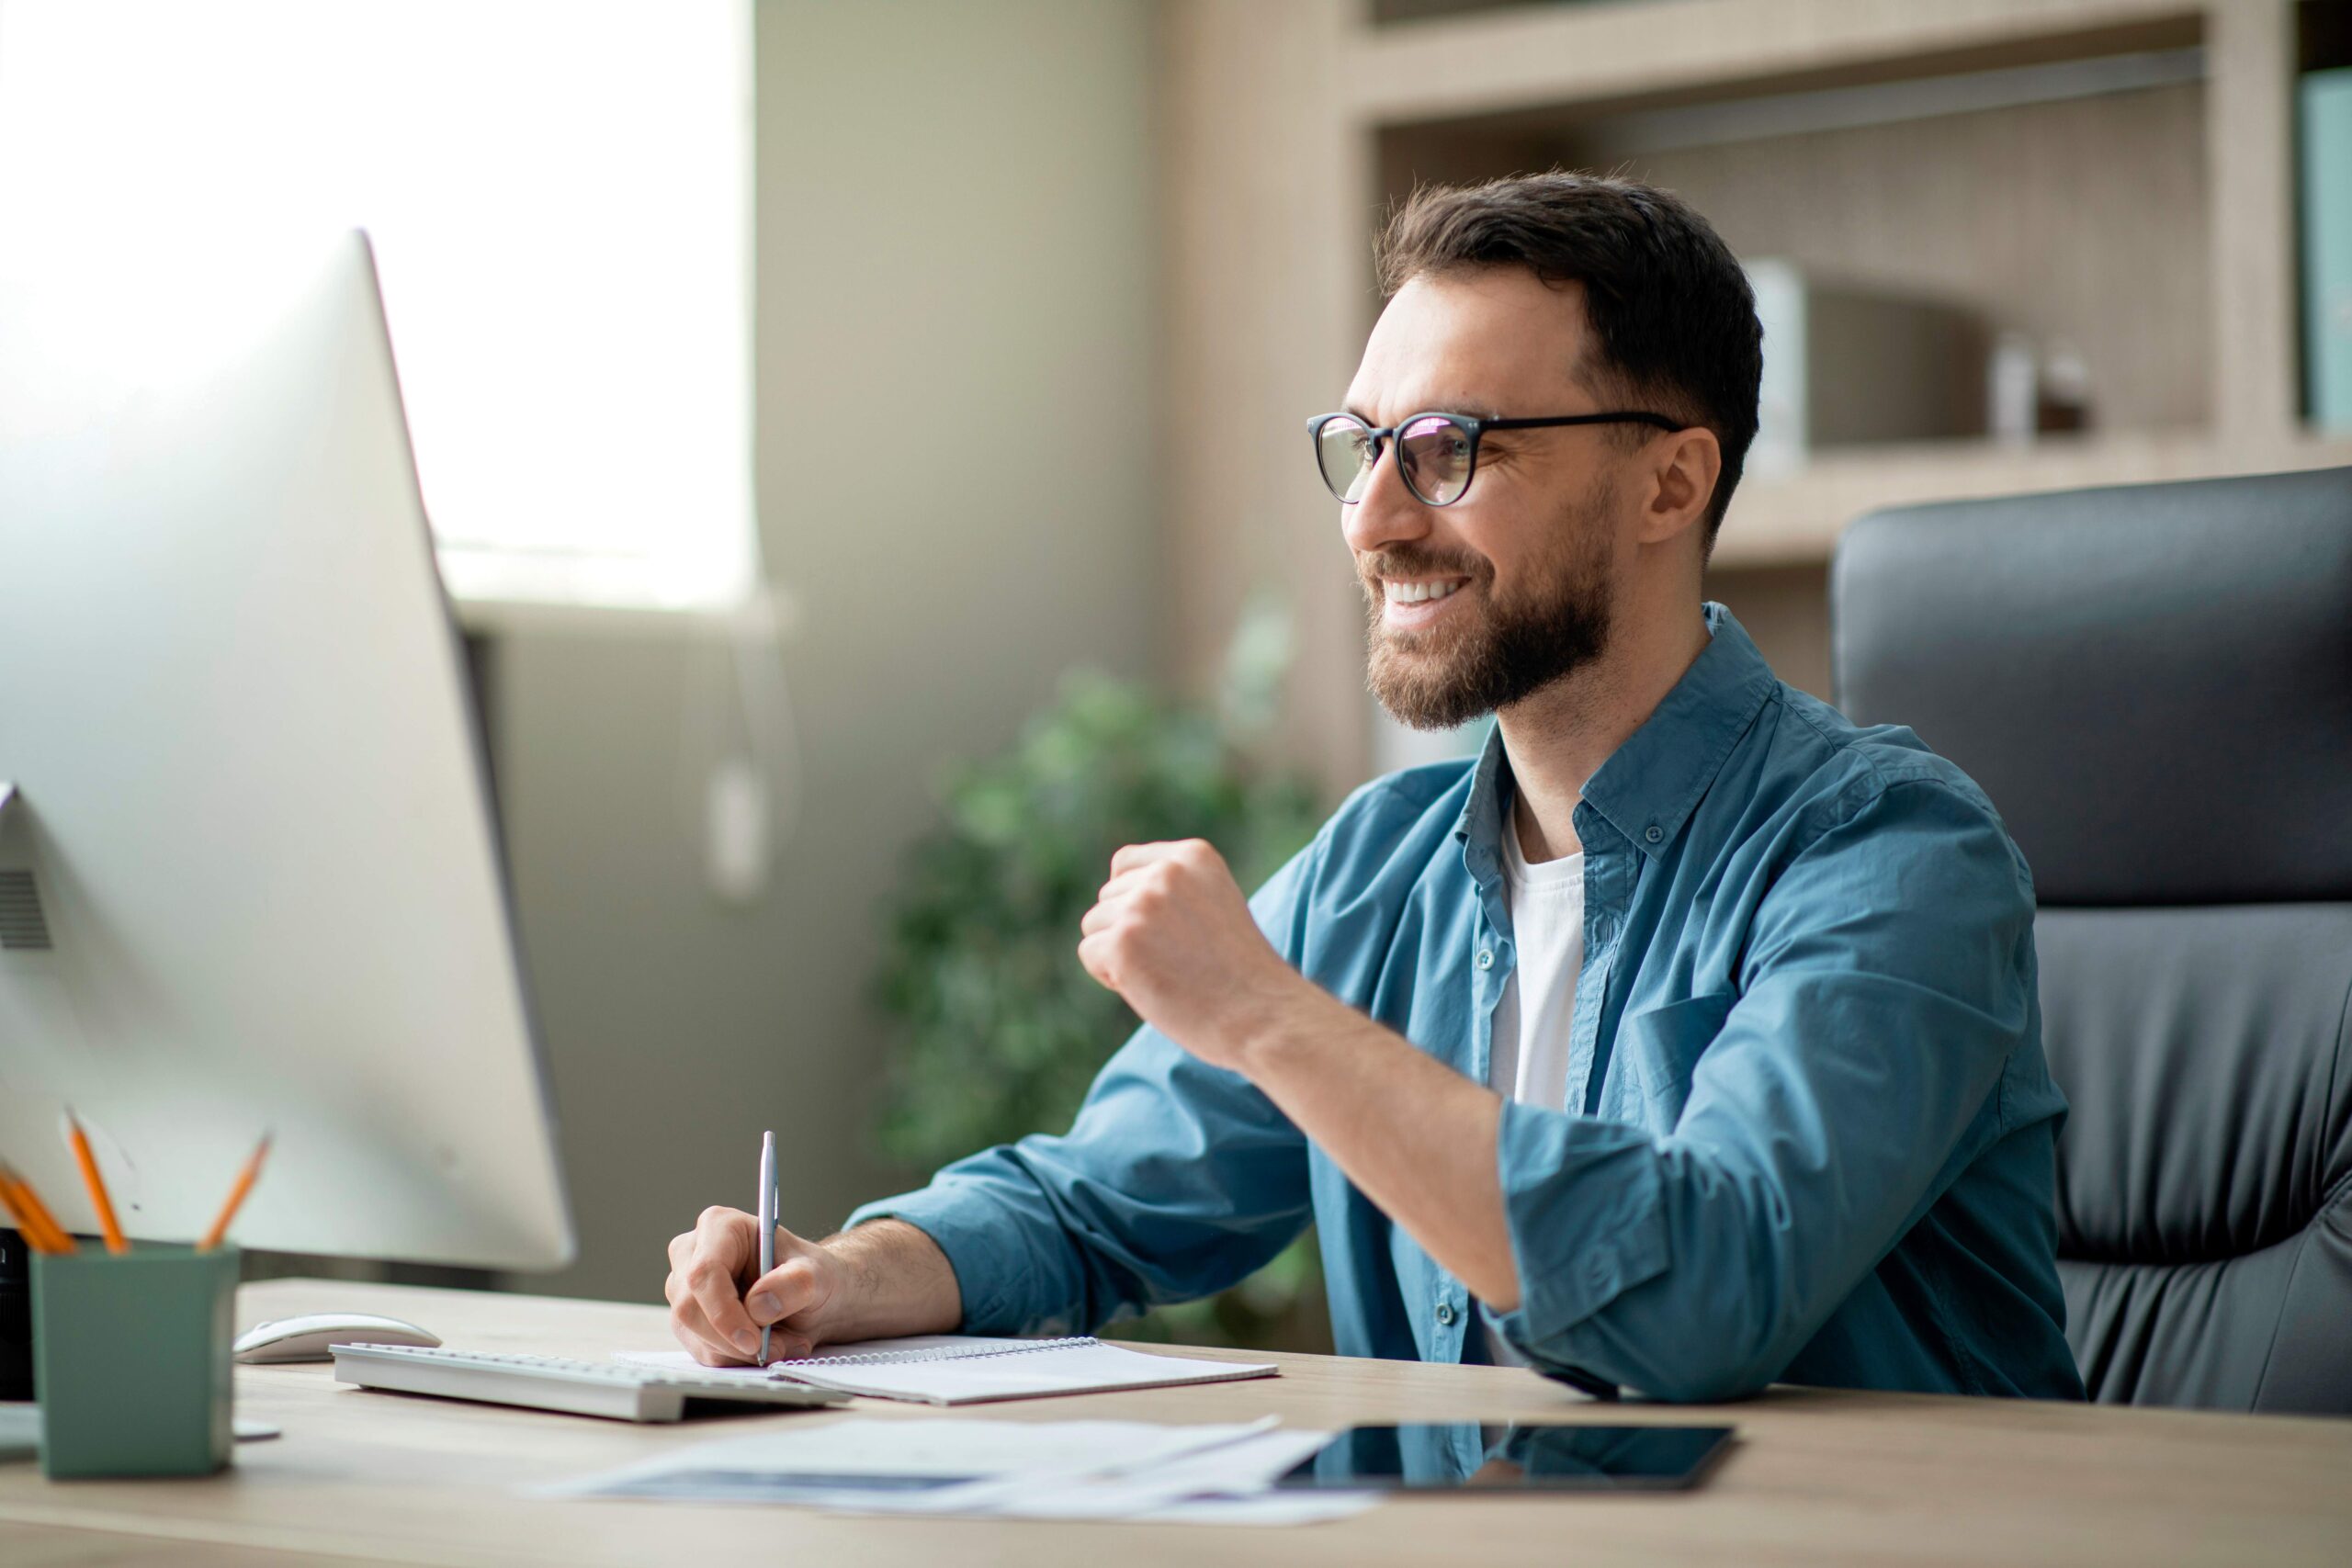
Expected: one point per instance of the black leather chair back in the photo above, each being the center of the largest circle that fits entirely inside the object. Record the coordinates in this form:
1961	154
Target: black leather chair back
2153	684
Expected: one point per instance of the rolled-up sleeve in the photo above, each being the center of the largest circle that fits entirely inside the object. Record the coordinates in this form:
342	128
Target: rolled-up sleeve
1887	980
1177	1179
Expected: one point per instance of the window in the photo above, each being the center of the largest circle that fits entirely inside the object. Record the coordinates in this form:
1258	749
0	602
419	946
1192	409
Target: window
559	193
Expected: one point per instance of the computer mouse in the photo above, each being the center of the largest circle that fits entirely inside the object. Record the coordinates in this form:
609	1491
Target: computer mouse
307	1339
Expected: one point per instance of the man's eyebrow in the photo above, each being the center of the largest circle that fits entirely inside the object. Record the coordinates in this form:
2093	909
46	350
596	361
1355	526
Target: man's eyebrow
1471	407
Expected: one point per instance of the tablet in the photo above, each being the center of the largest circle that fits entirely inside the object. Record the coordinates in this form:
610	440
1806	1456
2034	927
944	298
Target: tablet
1466	1456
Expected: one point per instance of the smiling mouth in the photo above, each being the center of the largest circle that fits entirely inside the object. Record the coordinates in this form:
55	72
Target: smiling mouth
1393	592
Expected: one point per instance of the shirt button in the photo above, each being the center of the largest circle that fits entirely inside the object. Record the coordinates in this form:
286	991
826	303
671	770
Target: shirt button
1654	833
1486	958
1445	1313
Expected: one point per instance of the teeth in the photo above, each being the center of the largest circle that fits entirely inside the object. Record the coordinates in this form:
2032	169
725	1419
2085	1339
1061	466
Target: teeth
1415	592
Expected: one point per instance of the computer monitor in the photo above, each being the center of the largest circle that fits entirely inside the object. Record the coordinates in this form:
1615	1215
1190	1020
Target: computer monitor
249	875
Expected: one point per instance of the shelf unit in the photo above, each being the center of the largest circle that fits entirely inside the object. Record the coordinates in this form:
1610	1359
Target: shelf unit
1796	520
2151	223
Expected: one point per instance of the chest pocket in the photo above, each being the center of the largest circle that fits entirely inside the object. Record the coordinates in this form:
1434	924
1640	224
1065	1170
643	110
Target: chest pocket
1656	1050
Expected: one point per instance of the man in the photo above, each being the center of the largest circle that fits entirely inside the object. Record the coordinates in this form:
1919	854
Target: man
1686	1041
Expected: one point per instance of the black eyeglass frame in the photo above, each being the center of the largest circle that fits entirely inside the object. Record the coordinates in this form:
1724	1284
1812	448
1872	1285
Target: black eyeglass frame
1471	425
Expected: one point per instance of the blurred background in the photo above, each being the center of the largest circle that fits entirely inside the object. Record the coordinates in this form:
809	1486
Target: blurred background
865	435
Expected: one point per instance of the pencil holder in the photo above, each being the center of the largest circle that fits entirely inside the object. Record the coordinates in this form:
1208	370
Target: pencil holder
130	1356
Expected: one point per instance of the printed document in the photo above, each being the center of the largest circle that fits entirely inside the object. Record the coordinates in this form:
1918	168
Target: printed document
1070	1470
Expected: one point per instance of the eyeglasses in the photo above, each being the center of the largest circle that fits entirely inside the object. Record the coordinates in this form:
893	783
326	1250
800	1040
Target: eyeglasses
1437	453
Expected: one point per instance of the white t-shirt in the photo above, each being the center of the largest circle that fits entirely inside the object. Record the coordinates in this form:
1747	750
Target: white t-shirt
1529	1059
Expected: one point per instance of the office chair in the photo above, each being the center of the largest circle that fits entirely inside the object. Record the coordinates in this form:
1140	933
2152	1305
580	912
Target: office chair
2153	684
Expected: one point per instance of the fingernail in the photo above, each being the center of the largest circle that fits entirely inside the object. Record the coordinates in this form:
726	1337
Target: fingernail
765	1307
747	1342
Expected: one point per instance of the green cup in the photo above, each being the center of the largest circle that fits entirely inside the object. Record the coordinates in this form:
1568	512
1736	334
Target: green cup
131	1359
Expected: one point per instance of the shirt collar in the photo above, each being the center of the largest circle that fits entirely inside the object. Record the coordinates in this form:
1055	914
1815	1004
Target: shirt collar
1648	787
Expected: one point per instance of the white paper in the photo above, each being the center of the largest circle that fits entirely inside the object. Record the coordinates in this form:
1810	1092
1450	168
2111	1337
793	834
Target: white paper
1060	1470
945	1347
1232	1482
955	1369
1060	1489
865	1464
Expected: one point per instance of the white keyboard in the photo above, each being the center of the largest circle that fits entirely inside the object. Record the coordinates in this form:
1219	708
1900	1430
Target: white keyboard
614	1389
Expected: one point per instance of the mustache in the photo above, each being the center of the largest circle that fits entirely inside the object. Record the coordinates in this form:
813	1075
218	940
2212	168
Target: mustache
1420	563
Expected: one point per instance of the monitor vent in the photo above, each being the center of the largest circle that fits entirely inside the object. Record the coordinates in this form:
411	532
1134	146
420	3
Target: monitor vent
23	928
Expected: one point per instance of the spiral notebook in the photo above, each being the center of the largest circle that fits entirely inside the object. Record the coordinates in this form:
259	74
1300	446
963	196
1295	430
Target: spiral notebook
955	1368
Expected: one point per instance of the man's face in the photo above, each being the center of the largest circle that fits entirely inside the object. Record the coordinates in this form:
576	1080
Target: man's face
1475	605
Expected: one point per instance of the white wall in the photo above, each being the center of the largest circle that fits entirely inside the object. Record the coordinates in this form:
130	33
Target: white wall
956	365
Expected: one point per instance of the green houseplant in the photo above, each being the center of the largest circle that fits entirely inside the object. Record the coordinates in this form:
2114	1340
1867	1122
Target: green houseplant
999	1031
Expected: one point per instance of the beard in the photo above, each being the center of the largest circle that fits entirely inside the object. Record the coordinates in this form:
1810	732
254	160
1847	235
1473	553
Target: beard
1556	624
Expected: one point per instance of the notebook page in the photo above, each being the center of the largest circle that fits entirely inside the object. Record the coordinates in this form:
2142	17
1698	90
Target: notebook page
992	1369
917	1348
921	1348
1083	1367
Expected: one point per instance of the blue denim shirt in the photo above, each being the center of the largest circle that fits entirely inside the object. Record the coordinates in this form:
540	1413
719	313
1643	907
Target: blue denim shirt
1809	1137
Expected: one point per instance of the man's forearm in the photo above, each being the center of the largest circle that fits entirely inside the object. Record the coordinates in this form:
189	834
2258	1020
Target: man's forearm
1173	934
898	1281
1415	1135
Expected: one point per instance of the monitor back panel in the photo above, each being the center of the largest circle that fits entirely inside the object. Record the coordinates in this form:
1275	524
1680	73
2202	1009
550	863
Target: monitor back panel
250	879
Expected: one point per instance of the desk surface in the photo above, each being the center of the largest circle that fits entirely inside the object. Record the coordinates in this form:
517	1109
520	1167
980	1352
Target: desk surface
1818	1476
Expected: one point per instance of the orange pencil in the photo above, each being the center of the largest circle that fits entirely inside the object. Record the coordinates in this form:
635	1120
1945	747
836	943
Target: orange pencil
38	1239
236	1197
40	1212
80	1140
41	1233
35	1237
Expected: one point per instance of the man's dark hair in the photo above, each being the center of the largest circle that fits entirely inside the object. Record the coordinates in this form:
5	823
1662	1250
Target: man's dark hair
1669	305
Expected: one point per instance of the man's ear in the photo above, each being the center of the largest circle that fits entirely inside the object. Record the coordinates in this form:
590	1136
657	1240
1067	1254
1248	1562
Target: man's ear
1683	469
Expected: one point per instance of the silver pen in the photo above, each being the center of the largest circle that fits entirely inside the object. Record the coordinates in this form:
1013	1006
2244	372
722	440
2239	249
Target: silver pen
767	1222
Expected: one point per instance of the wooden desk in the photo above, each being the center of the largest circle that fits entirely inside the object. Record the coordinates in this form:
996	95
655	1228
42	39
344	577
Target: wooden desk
1818	1477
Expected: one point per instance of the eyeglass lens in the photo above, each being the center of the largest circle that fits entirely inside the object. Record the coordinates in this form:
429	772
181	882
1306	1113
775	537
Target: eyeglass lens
1433	453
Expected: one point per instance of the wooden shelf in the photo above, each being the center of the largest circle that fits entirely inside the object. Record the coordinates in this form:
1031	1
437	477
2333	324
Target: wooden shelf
2151	229
1501	62
1795	520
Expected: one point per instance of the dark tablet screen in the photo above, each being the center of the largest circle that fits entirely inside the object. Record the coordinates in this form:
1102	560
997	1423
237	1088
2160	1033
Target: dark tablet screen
1467	1457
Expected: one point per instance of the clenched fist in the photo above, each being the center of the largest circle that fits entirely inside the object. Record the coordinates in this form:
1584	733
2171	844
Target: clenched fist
1173	934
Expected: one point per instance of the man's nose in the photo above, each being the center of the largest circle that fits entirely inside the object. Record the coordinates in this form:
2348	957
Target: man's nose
1387	513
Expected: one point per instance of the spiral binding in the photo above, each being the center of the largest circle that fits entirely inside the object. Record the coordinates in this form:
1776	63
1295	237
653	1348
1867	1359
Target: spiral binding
940	1353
